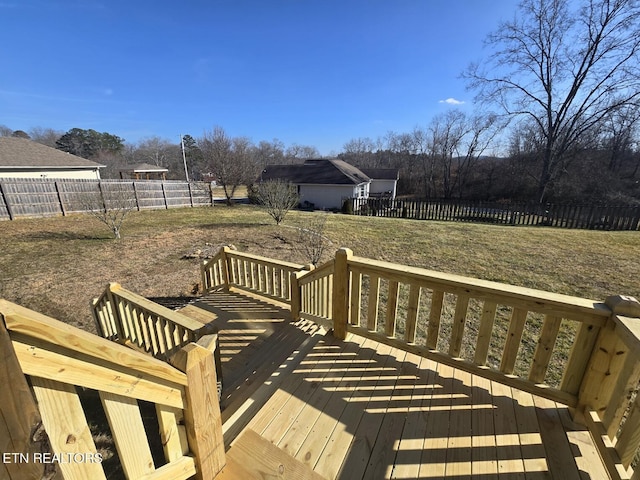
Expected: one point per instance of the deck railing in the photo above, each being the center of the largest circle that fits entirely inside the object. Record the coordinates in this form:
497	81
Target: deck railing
253	273
51	432
582	353
131	319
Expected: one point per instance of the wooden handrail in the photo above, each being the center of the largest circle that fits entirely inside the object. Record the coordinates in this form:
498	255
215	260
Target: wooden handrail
129	318
57	358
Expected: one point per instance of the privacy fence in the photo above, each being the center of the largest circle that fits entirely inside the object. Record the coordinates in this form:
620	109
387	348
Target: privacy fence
26	197
607	217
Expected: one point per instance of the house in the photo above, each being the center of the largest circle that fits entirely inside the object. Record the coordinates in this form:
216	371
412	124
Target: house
144	171
326	183
383	181
22	158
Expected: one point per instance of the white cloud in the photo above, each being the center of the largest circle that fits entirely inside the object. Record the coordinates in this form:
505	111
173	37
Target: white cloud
452	101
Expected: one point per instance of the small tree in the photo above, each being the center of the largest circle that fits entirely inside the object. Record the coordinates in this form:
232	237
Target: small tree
311	241
278	197
109	204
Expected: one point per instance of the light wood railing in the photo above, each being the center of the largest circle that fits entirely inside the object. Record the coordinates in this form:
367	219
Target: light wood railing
131	319
579	352
47	430
253	273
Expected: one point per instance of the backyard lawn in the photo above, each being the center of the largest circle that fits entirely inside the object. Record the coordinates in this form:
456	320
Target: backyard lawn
57	265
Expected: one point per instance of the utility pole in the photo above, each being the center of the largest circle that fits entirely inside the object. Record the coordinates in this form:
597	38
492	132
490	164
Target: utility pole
184	159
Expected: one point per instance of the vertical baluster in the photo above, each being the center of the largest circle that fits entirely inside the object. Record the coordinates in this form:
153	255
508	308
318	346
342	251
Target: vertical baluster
484	332
412	314
392	310
372	311
544	349
433	329
512	345
356	297
459	320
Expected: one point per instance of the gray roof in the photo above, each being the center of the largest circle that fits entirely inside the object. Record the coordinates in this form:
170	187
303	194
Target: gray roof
20	153
317	172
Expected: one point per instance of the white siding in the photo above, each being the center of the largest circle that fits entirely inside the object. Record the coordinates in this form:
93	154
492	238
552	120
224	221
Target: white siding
327	196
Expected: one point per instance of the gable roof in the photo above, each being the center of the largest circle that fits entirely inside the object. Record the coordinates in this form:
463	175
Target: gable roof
20	153
317	172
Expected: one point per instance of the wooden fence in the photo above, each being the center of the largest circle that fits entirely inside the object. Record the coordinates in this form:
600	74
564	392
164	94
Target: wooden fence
28	197
622	217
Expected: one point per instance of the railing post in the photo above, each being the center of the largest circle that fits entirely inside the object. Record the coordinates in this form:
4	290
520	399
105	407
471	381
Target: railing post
226	271
608	357
340	310
296	291
202	409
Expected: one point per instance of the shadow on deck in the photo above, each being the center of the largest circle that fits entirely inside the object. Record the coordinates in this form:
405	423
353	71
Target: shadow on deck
361	409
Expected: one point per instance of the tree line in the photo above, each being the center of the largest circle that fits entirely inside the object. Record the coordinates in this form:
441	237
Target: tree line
558	110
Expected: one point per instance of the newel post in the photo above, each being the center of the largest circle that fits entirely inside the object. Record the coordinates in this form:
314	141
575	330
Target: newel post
340	311
202	417
613	366
226	267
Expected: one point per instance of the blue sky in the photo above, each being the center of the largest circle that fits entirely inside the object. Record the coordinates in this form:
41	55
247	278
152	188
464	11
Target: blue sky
311	72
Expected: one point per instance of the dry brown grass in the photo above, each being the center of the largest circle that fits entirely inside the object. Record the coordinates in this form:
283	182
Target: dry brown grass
56	265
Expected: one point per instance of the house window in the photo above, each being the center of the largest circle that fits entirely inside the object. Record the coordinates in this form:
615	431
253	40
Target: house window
362	190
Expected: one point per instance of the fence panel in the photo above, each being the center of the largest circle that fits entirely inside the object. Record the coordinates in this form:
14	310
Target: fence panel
609	217
34	197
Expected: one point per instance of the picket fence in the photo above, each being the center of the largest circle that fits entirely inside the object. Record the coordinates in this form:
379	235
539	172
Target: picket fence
600	217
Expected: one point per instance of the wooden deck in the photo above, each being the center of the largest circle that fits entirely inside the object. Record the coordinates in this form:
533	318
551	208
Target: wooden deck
358	409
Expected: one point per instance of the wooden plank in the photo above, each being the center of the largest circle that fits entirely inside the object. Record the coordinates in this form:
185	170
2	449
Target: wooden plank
383	453
510	459
409	452
558	450
626	385
484	454
544	348
412	314
261	459
459	442
605	447
512	345
128	434
433	461
531	443
372	309
392	310
484	332
585	452
433	328
457	331
340	313
629	438
334	416
366	431
36	359
19	418
63	419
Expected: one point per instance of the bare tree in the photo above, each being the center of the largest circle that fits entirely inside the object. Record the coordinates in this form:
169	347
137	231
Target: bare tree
278	197
45	136
563	69
229	159
311	240
109	203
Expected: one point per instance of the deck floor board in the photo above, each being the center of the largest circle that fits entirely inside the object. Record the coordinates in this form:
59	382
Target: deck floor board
360	409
